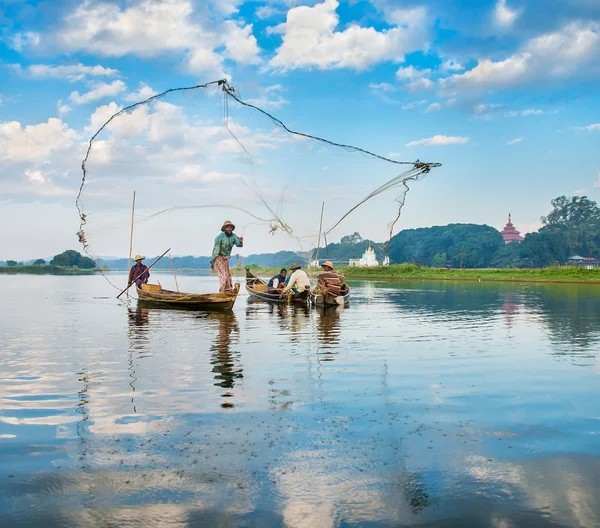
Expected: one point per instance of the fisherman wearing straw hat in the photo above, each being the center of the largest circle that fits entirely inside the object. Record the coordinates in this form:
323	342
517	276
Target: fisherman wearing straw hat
139	272
329	281
222	253
298	280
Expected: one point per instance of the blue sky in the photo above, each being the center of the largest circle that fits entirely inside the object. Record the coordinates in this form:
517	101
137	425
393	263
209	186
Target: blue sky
503	93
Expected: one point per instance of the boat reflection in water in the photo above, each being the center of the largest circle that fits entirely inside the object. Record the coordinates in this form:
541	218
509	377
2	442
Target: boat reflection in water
225	361
328	331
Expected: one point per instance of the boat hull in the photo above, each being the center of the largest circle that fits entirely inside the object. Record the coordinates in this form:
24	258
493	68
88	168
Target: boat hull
189	301
258	290
329	300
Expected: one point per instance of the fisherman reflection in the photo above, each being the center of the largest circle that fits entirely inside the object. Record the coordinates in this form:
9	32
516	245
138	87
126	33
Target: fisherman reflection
328	330
226	365
138	317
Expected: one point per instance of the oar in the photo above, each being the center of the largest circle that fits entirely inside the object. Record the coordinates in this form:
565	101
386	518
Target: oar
129	285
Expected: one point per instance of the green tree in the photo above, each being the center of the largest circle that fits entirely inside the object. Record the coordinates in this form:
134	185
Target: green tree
578	218
545	248
39	262
439	260
11	263
354	238
72	259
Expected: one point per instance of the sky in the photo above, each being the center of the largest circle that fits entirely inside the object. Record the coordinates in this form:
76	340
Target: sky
502	93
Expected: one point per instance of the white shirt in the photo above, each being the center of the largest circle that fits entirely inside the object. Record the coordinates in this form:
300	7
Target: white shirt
299	279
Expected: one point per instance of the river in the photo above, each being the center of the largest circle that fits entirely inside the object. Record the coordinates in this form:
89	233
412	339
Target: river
421	404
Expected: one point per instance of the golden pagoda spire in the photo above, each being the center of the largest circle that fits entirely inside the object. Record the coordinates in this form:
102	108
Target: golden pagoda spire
509	218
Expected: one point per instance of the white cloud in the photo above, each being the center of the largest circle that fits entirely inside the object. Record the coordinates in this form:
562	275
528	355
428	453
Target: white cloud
1	103
590	128
310	39
34	176
149	28
195	174
414	104
241	44
450	65
417	79
434	107
265	11
580	192
515	140
529	112
99	91
266	102
503	15
553	56
34	143
63	109
438	141
382	87
70	72
597	182
269	98
144	92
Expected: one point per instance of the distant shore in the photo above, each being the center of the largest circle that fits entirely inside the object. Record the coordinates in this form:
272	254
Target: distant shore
412	271
46	270
393	272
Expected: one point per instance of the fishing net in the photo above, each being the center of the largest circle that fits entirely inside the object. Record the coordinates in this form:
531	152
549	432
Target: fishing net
199	155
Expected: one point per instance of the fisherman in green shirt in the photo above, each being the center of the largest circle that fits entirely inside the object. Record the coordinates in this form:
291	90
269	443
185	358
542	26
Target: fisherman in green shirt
222	253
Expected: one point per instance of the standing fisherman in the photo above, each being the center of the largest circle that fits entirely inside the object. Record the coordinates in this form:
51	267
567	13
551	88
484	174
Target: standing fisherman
222	252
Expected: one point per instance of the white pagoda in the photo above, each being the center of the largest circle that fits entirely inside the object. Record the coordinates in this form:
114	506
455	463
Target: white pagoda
367	260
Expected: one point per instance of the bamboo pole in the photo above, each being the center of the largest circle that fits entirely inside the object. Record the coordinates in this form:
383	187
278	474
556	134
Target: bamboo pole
173	268
147	269
131	238
320	229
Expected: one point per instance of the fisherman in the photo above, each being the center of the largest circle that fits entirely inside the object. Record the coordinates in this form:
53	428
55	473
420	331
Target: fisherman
222	253
298	280
139	272
278	281
329	281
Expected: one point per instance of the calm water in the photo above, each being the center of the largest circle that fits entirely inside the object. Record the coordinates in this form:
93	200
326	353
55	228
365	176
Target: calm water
422	404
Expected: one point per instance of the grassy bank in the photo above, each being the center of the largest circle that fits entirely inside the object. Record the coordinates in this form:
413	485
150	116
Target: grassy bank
45	270
412	271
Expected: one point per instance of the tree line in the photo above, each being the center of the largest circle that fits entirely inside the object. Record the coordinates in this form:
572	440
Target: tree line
67	259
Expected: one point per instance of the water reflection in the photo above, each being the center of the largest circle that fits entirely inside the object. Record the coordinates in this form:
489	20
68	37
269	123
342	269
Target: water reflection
225	360
442	408
328	331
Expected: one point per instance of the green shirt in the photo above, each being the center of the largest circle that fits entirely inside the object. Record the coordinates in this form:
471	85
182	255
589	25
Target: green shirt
224	244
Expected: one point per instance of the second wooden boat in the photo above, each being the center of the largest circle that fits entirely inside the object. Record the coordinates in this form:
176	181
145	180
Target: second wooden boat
330	300
258	289
154	294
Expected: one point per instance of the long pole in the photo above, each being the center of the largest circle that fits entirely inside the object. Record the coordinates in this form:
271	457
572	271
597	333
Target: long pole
131	237
173	268
147	269
320	229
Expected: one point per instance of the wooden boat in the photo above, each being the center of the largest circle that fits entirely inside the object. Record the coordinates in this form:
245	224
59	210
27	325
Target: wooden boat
258	289
329	300
154	294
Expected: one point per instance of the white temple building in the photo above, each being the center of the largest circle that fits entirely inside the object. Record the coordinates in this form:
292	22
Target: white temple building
367	260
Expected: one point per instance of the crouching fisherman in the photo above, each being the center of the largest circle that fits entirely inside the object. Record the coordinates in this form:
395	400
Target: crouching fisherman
329	281
277	282
139	272
298	280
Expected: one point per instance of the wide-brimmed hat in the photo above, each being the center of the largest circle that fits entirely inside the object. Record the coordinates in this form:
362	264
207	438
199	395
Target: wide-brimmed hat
139	257
295	266
227	223
327	263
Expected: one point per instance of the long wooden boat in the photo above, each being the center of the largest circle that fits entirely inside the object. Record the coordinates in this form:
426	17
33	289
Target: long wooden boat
258	289
330	300
154	294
